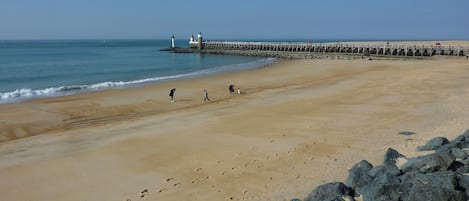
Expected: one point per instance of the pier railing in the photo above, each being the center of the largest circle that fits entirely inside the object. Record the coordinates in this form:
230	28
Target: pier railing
363	49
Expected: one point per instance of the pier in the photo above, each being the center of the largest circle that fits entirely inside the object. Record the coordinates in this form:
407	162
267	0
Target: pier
358	49
305	50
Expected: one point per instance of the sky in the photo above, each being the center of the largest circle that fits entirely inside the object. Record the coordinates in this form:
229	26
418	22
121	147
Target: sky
235	19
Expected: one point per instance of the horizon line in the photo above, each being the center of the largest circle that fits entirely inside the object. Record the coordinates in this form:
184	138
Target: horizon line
246	39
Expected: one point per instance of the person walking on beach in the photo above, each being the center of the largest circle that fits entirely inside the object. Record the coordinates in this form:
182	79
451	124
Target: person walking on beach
231	88
171	94
206	96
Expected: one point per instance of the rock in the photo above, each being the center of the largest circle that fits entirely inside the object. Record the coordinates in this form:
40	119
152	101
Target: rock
445	149
428	163
391	169
466	134
457	166
358	175
330	192
464	181
458	141
392	155
434	144
458	153
384	187
296	199
435	186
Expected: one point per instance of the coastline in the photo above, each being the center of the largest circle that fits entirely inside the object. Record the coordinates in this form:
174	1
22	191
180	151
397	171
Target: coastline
299	123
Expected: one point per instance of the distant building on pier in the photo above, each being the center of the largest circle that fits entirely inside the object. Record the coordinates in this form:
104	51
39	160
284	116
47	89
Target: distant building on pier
196	43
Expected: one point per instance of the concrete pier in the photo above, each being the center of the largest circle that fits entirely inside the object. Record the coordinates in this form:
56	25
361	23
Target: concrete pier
358	49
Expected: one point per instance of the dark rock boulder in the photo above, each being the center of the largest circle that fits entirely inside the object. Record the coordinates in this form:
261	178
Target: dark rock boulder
466	135
458	167
391	156
433	144
358	175
391	169
428	163
445	149
464	181
458	141
435	186
458	153
384	187
335	191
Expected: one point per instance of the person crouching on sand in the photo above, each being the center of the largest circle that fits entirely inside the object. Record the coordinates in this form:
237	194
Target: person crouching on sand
206	96
171	94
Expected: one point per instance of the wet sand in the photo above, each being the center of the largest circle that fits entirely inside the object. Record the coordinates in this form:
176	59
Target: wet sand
297	124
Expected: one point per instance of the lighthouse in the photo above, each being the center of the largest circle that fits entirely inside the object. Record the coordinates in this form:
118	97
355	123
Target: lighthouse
200	41
172	41
192	39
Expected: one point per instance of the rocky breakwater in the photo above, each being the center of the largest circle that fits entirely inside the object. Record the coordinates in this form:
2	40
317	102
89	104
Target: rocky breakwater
442	175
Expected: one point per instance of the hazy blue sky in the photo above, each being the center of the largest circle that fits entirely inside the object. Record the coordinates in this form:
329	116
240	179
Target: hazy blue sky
235	19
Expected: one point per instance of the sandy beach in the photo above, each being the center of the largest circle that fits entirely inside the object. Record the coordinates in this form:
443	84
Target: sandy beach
296	125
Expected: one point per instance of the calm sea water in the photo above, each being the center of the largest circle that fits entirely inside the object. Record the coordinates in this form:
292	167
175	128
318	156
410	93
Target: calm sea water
36	69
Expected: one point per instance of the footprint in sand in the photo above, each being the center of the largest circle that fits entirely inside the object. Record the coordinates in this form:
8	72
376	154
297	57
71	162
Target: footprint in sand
162	190
176	184
144	193
195	181
222	173
198	169
169	179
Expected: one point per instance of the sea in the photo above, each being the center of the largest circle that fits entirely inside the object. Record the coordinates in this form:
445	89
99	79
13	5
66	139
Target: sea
31	69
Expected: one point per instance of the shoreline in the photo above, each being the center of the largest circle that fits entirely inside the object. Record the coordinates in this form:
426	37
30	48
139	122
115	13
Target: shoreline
25	94
298	124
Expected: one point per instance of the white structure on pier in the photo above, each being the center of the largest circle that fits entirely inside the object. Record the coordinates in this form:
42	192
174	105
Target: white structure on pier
196	43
